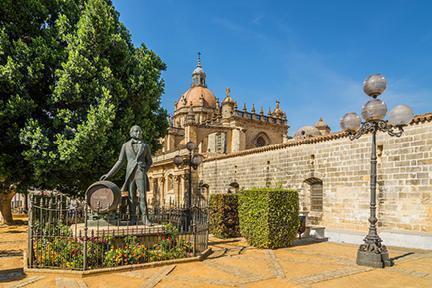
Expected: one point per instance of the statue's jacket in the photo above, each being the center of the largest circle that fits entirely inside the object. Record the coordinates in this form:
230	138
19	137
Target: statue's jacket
137	163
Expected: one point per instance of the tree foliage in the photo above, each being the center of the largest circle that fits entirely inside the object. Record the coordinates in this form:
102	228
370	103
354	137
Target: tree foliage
71	85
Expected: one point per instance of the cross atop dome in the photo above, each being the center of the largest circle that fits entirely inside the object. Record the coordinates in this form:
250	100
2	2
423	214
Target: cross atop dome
199	59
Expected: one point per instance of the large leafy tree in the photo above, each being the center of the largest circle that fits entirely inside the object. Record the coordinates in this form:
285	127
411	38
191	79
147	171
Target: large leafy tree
29	54
96	84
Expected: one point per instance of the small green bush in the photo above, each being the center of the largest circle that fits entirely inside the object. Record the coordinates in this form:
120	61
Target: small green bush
269	217
223	220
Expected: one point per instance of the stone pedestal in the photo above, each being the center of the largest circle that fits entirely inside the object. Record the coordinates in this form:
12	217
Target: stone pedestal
104	229
373	259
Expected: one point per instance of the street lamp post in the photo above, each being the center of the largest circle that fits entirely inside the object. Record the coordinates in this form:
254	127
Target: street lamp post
192	161
372	252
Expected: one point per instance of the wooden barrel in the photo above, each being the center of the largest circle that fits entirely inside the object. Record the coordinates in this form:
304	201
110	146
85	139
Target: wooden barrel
103	196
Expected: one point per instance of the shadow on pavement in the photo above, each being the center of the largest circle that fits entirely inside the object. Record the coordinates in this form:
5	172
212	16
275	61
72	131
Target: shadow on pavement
401	256
227	241
307	241
11	253
8	275
15	231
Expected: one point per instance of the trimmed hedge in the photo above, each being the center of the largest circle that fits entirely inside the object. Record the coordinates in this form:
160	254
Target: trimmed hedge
223	218
269	217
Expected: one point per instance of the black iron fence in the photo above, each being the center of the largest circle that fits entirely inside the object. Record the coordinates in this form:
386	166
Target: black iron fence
65	234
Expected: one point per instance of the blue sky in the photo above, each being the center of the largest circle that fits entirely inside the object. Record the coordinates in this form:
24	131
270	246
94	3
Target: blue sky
311	55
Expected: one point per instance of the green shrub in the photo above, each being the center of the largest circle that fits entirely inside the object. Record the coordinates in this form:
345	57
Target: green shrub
223	218
269	217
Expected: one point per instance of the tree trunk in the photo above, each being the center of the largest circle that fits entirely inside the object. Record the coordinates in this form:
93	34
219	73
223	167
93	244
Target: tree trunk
5	206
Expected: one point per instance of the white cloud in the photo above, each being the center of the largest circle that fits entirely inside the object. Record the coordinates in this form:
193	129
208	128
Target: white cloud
257	19
239	28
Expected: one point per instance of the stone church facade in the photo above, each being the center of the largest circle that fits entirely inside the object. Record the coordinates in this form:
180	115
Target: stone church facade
244	149
218	128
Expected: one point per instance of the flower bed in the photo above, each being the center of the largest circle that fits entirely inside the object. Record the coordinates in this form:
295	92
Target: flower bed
67	252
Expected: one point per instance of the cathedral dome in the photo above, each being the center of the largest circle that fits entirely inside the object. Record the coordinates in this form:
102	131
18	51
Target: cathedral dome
307	132
194	95
198	94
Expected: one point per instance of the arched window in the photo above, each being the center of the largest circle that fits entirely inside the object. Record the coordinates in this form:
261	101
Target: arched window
170	183
260	142
316	194
233	187
204	194
155	187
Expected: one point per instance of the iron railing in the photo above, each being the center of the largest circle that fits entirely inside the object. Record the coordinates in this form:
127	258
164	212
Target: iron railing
65	234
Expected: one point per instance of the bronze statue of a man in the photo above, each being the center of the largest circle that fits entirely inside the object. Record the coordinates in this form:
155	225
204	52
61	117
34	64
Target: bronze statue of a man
139	160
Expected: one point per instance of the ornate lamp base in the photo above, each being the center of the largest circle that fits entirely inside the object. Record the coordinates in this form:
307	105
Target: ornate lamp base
376	258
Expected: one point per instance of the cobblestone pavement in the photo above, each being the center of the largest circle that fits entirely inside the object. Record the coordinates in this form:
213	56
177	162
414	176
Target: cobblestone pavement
235	264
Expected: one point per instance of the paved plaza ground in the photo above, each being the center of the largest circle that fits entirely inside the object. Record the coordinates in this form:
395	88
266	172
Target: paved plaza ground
235	264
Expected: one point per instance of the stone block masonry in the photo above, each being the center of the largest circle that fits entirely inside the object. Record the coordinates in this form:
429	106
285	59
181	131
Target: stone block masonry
342	167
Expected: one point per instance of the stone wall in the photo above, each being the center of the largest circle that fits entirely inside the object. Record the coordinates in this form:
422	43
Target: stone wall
404	176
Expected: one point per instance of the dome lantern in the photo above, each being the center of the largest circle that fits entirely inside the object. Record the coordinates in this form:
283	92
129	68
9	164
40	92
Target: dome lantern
198	75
